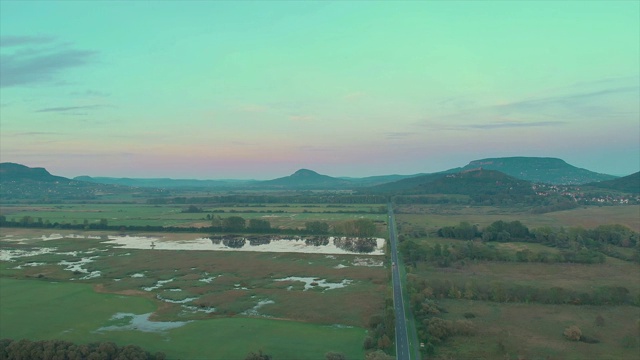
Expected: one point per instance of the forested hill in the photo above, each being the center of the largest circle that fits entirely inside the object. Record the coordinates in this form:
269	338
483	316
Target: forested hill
629	183
305	179
19	183
10	172
477	182
539	170
473	182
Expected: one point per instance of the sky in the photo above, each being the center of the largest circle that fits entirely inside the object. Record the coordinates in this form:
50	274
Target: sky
259	89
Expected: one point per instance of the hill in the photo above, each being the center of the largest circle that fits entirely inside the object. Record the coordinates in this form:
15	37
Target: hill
305	179
539	169
407	184
20	183
477	182
629	184
10	172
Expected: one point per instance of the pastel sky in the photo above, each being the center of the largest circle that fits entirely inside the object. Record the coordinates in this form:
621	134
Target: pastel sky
258	89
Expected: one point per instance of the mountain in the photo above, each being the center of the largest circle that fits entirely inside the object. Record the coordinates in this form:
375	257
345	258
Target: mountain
10	172
629	184
19	183
306	179
477	182
470	182
539	170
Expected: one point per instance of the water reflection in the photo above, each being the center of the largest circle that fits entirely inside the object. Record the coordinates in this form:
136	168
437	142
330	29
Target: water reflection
350	244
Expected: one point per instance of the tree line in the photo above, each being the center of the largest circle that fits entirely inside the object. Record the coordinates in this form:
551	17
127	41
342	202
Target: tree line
60	349
577	244
357	227
297	198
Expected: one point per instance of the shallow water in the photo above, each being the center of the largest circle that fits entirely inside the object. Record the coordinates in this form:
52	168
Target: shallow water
308	281
273	245
141	323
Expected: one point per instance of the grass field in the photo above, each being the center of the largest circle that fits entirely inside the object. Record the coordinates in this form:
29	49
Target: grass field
236	302
290	216
534	331
36	309
433	217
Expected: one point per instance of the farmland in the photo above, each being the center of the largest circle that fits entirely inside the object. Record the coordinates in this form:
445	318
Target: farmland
516	307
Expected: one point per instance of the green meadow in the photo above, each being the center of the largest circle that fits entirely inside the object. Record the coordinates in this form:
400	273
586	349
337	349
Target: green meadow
36	309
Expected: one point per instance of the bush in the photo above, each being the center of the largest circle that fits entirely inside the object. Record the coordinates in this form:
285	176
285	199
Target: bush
573	333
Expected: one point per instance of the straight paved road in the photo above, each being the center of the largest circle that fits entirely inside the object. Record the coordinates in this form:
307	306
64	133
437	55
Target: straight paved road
402	340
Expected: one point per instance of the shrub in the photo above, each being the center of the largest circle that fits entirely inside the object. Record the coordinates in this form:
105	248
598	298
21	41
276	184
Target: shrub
573	333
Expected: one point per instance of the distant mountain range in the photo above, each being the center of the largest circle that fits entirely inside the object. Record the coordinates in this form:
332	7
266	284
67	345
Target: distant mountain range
495	173
302	179
167	183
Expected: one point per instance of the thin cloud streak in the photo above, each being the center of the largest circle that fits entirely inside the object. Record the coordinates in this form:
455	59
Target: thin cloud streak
26	66
9	41
515	124
538	112
69	108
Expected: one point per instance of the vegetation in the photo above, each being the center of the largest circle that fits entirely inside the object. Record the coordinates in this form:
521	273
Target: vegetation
59	349
468	267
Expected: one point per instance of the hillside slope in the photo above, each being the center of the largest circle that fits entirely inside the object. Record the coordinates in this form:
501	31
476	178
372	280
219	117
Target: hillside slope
539	169
629	184
305	179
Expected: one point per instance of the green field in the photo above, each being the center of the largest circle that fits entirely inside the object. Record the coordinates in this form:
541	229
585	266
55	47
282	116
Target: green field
36	309
285	216
432	217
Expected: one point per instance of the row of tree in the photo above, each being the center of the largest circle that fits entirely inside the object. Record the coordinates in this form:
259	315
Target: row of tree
502	231
358	227
446	255
578	244
297	198
60	349
421	290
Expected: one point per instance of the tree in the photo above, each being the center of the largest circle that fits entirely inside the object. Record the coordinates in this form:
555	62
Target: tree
317	227
233	223
259	225
465	231
258	356
192	209
378	355
332	355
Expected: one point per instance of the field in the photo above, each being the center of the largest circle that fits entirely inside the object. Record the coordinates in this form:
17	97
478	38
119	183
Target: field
216	305
534	331
286	216
432	217
513	327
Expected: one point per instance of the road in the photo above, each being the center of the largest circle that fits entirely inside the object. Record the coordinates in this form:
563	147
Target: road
403	351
